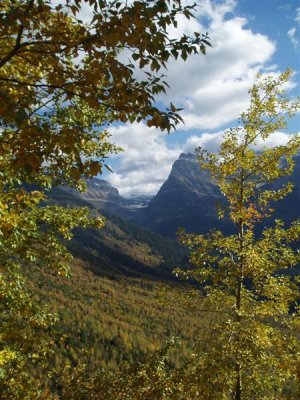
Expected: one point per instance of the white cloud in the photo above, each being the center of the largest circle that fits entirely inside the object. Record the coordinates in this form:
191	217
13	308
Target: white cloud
277	139
146	161
297	19
292	34
211	141
213	88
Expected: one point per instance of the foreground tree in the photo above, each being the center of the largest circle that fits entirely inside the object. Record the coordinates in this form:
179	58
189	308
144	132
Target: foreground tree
248	276
61	81
50	59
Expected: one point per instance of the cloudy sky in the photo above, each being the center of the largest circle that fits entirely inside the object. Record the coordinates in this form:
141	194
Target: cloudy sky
248	37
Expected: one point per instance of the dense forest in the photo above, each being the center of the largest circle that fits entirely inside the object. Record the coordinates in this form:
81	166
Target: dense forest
92	306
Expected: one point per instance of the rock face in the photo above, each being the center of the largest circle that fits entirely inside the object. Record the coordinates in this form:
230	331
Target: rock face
188	199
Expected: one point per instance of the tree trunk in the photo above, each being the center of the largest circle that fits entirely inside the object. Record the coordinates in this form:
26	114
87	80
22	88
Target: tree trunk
238	385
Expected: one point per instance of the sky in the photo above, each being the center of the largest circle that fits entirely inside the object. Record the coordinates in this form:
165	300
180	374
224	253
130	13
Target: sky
248	37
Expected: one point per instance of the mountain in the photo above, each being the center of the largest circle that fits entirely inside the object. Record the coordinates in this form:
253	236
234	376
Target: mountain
110	322
188	199
101	195
108	309
288	209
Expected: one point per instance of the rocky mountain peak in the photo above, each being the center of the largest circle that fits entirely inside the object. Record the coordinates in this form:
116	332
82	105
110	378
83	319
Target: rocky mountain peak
188	199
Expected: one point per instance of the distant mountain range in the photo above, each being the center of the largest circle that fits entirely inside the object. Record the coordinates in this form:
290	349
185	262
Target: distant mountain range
187	199
111	297
101	195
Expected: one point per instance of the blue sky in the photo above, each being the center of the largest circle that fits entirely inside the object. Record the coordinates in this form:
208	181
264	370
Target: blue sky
248	36
275	18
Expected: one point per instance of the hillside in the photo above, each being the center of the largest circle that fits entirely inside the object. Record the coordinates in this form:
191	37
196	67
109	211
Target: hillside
109	313
120	247
101	195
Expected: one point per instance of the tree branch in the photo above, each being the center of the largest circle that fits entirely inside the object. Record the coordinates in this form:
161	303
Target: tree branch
18	44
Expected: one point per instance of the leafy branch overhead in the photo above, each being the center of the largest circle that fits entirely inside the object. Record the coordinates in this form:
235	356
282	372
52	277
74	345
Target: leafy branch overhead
51	59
